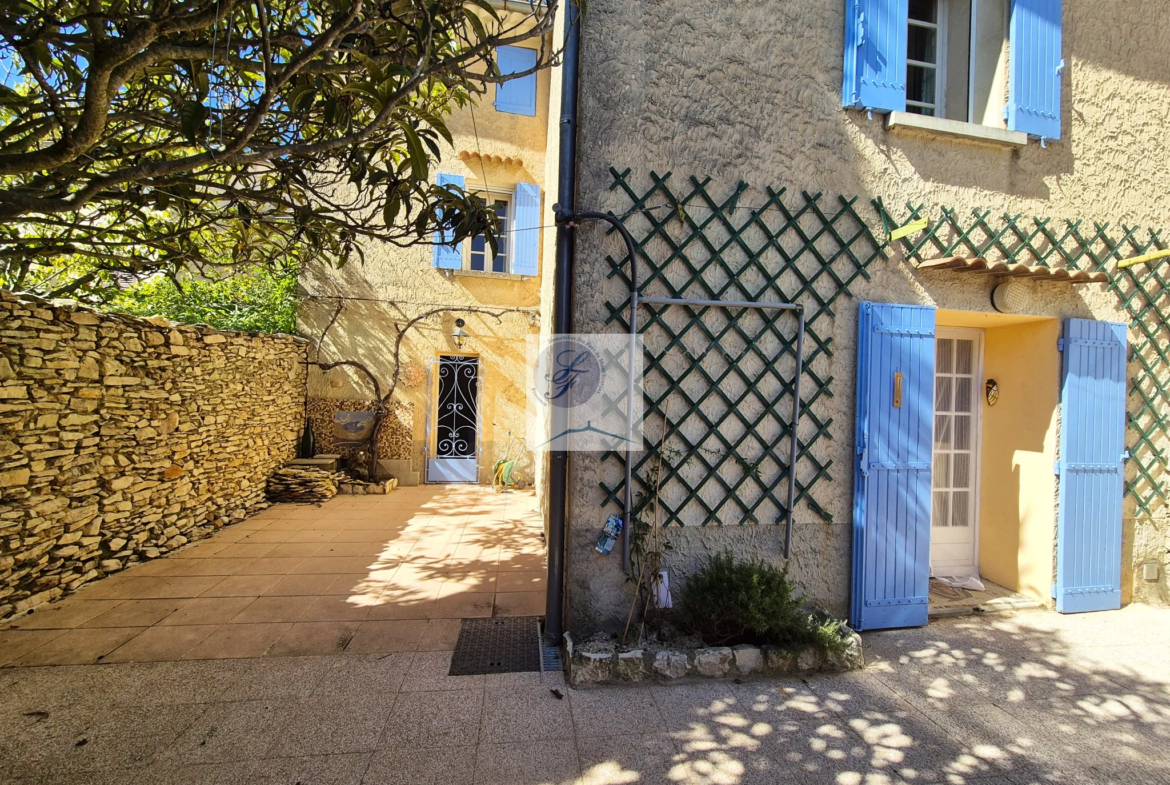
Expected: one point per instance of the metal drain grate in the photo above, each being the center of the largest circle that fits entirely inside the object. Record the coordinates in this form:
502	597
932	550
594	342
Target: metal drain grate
550	658
497	645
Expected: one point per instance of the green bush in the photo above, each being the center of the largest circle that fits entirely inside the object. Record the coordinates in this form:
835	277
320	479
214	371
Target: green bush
261	300
750	601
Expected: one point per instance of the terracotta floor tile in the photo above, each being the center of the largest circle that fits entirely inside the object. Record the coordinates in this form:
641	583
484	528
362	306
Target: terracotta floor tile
135	613
529	562
320	536
78	647
238	640
439	635
64	615
17	643
463	606
323	564
123	587
161	567
269	536
244	551
207	610
269	565
351	549
358	583
383	637
242	586
214	566
314	638
293	550
299	585
273	609
338	608
525	603
402	609
522	581
160	644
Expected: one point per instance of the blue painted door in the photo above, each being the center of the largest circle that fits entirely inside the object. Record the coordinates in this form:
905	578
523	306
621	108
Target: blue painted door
1092	455
891	478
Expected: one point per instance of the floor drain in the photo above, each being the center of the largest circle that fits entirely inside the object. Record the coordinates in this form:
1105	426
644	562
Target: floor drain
497	645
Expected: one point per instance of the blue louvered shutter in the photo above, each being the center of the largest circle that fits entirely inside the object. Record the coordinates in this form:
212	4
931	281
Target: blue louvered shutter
891	478
1092	455
446	255
1036	67
875	55
516	96
526	222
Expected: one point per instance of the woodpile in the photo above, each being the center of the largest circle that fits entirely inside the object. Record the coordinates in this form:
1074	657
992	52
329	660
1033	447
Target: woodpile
303	484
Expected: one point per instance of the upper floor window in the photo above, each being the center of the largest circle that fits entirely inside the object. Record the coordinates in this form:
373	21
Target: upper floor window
479	253
990	62
518	251
516	96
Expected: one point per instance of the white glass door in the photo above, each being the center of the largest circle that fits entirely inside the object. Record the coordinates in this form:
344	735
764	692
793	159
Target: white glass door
955	474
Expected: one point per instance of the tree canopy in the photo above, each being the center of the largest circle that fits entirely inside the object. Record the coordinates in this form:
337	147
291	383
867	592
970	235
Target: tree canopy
147	136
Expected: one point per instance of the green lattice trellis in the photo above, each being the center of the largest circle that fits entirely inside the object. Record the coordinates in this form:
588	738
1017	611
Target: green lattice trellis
724	370
1079	245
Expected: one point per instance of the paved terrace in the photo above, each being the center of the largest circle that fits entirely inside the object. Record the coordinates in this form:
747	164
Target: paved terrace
1019	699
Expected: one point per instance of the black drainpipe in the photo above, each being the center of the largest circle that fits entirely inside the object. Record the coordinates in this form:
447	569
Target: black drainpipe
563	314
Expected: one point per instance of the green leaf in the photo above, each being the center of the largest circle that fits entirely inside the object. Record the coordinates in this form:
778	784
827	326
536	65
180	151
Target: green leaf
193	120
392	208
419	163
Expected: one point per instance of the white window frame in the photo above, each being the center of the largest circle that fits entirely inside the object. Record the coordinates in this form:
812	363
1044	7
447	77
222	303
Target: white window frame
493	194
940	26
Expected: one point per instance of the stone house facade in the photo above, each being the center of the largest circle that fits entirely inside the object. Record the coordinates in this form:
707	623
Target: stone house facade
501	151
772	152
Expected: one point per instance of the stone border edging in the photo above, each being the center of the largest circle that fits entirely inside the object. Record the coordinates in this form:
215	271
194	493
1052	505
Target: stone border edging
606	664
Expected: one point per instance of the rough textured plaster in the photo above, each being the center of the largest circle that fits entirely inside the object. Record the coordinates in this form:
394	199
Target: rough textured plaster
742	91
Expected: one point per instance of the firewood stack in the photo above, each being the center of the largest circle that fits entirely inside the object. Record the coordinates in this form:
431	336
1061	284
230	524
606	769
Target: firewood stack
300	485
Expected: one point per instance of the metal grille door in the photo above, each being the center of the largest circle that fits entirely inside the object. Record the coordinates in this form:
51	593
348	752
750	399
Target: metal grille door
456	419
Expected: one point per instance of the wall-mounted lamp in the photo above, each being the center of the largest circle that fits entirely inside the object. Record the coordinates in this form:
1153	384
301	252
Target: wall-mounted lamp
459	336
992	391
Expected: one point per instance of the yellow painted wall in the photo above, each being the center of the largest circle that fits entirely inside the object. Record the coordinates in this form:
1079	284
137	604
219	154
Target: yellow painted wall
1017	517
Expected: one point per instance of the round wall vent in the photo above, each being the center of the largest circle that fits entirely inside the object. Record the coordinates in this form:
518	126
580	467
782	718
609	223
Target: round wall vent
1010	297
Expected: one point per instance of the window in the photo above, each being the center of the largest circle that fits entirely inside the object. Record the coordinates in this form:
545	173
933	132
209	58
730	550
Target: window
951	59
956	57
516	96
479	253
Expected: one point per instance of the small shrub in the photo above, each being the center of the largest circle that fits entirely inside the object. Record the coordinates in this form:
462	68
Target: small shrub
751	601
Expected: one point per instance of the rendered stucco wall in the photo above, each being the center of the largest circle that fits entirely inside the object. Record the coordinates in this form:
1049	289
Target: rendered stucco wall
743	91
393	285
1016	515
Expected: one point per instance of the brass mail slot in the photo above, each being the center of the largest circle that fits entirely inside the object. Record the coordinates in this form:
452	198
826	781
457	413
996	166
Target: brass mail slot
897	389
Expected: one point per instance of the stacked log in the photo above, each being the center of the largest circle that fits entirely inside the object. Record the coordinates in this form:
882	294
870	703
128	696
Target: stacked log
303	484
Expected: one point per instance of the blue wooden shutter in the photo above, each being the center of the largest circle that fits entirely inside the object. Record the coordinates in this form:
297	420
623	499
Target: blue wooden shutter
1035	68
1092	452
875	55
517	96
891	478
526	223
448	256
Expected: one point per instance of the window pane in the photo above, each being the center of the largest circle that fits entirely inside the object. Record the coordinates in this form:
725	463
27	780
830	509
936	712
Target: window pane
942	431
961	467
921	44
959	508
962	432
478	254
920	86
963	385
942	393
943	354
924	10
941	513
942	470
964	354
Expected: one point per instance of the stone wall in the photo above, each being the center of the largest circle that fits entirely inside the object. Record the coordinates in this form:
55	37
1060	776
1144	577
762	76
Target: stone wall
123	438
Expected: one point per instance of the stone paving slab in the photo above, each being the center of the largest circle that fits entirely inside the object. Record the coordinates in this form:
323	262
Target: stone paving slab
1031	698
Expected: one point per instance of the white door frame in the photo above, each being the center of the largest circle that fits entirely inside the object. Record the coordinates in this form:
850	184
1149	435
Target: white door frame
977	395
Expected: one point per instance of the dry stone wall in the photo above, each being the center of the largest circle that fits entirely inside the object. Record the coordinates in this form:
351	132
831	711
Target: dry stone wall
124	438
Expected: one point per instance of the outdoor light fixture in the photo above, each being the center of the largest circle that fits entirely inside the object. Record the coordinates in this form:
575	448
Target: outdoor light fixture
459	336
992	391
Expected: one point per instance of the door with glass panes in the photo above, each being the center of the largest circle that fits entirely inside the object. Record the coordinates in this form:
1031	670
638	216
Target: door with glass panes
955	472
